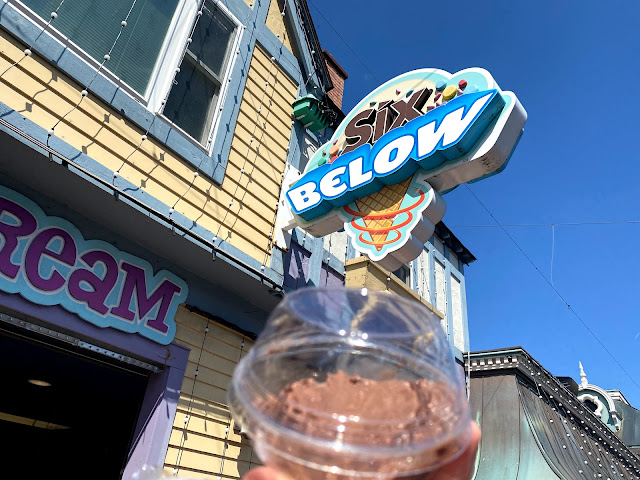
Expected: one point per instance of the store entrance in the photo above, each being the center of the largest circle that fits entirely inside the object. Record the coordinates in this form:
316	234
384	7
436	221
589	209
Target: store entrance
63	413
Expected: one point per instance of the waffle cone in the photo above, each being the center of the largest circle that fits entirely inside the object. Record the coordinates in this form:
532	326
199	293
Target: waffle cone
387	200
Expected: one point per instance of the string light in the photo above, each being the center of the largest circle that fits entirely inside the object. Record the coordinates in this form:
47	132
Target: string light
163	102
107	57
243	173
556	291
329	249
425	282
27	51
589	421
346	44
243	170
230	418
271	242
187	417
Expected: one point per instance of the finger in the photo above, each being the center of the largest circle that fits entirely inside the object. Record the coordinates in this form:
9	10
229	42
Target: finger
264	473
462	467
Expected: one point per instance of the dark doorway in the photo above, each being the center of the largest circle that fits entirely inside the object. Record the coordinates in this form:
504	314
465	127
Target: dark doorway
63	413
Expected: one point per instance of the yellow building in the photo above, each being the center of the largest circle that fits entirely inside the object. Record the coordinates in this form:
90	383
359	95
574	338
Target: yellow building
145	148
145	145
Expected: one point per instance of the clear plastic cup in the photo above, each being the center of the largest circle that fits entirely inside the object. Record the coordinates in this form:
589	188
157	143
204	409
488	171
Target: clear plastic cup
317	336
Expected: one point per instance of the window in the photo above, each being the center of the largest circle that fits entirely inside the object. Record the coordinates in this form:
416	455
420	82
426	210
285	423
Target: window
404	274
453	258
194	96
93	25
330	277
149	48
308	147
438	244
591	405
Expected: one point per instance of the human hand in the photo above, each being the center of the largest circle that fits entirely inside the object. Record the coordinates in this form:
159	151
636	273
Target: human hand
459	469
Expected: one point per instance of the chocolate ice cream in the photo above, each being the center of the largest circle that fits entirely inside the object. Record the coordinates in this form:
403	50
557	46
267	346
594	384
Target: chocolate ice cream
349	412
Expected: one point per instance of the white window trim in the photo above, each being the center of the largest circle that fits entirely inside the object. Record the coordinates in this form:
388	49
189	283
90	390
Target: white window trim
169	59
163	72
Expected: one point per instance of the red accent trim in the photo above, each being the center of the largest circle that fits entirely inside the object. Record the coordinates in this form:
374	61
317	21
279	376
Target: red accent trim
392	228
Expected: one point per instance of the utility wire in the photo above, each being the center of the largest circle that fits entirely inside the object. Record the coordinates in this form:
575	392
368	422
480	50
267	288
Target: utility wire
556	224
345	42
552	287
553	247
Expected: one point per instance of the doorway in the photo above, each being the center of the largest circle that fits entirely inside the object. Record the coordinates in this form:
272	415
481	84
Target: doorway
65	413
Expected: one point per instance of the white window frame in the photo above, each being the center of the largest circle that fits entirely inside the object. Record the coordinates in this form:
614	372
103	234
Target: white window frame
408	281
169	59
162	76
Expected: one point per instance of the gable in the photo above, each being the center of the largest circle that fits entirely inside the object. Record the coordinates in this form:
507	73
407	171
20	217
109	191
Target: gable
280	27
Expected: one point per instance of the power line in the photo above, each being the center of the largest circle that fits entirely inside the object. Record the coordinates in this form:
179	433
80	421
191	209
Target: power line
345	42
555	224
552	287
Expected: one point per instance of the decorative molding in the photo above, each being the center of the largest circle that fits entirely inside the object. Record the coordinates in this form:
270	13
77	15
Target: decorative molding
615	415
599	405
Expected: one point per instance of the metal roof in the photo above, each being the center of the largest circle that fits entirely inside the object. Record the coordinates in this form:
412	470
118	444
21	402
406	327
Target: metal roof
533	427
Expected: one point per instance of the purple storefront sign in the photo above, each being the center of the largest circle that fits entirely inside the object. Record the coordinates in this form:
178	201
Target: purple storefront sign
48	261
49	272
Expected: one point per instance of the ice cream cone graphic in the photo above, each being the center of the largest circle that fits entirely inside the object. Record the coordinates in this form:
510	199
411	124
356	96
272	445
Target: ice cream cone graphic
379	211
389	226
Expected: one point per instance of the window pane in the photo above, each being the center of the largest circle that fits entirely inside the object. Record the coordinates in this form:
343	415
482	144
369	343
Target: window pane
403	274
93	25
192	100
193	97
211	40
438	244
453	258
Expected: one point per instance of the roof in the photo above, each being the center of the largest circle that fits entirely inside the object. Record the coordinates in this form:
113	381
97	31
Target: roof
534	428
455	245
630	425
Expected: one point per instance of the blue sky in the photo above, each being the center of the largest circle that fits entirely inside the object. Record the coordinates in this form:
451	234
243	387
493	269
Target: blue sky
574	67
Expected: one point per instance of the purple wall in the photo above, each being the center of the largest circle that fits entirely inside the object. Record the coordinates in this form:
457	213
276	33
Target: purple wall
296	267
330	277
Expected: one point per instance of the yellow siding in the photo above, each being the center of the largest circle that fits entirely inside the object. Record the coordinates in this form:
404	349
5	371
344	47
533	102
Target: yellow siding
276	23
206	446
362	272
43	95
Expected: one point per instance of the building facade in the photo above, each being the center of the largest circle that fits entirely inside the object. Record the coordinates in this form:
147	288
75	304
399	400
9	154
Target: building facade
145	149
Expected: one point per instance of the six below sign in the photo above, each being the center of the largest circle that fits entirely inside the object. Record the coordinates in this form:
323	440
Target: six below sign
418	135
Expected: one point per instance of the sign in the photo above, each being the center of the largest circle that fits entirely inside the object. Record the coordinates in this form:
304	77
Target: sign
381	175
47	261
